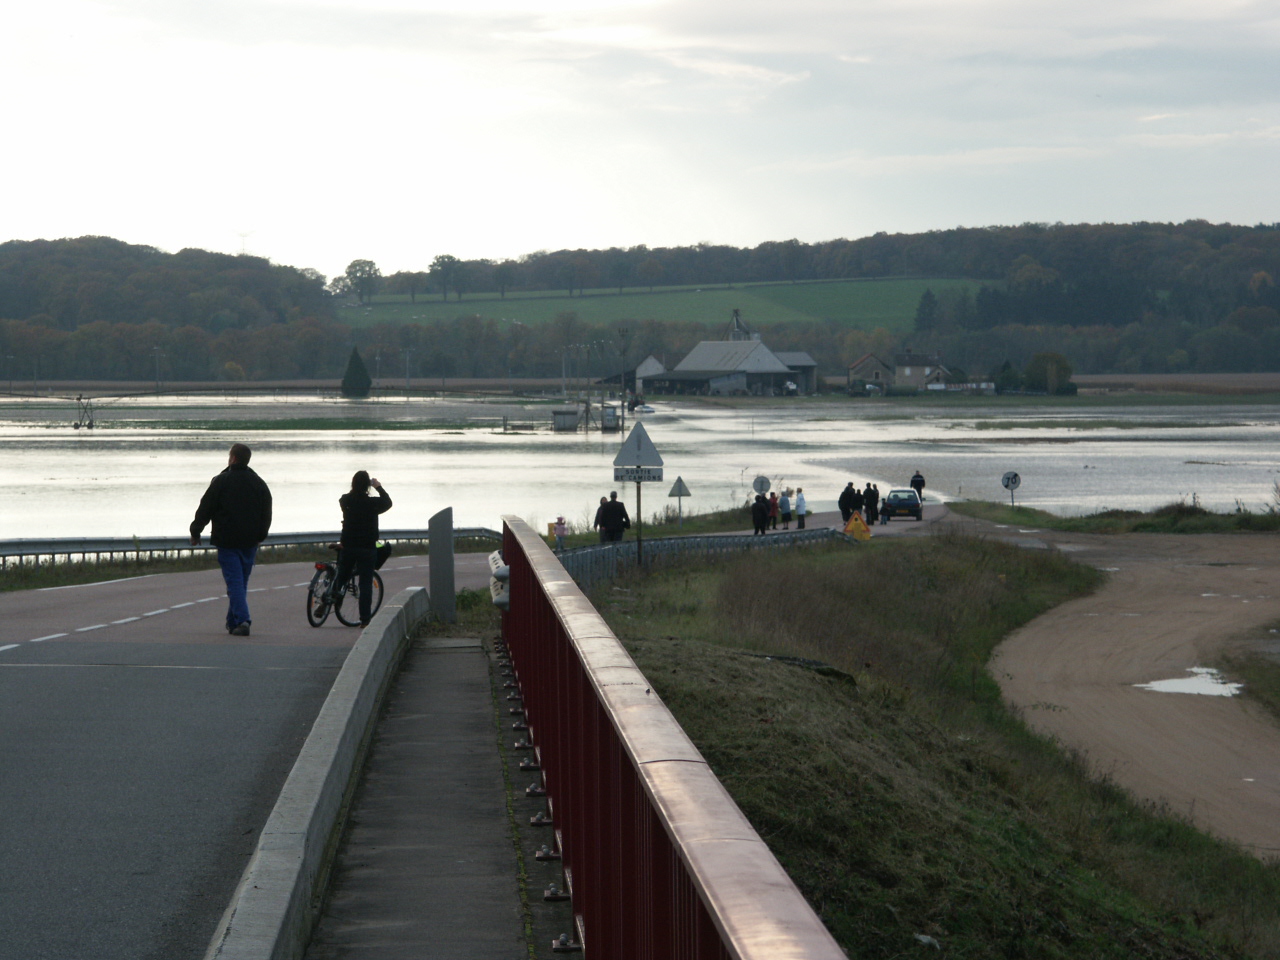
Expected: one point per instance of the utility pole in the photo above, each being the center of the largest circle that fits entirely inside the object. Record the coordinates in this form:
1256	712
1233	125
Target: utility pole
622	382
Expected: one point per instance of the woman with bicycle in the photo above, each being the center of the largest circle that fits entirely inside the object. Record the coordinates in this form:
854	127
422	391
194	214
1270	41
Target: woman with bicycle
360	537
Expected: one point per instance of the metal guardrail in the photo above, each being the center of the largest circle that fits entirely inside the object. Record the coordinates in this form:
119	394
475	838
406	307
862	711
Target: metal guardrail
136	547
593	565
660	862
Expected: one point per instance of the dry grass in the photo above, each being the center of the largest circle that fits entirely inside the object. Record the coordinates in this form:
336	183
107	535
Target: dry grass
892	783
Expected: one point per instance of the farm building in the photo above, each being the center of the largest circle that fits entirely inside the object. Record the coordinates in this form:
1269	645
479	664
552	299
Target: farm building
725	367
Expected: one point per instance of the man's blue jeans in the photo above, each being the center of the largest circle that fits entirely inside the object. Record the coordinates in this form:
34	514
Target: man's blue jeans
237	564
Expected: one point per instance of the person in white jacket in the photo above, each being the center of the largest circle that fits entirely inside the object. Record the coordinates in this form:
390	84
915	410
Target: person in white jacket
800	508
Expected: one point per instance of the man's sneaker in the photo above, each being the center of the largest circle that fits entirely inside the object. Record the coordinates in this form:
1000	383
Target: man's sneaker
240	630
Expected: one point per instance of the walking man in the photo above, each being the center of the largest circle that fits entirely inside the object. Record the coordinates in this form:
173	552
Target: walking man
614	519
917	484
239	505
801	508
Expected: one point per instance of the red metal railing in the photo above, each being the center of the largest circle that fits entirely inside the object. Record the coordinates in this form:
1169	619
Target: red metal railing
661	863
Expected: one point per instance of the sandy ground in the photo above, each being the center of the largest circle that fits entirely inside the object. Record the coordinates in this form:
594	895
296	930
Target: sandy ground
1172	603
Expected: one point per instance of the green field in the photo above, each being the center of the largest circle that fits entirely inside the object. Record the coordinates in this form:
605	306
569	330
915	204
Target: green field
889	303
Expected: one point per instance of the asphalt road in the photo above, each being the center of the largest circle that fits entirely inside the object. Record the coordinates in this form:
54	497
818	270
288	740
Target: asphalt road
144	747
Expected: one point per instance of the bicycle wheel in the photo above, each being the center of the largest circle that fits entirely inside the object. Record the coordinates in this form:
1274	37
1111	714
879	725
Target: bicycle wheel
317	605
347	607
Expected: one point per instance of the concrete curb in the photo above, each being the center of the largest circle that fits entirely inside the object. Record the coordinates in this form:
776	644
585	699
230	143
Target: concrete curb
276	904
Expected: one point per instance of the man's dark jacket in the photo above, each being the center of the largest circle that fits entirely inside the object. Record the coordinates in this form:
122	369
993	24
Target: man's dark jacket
614	516
239	504
360	518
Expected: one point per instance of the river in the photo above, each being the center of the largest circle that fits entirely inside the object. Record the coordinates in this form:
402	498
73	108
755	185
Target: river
142	470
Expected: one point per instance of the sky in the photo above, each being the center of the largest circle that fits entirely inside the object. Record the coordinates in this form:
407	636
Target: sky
316	132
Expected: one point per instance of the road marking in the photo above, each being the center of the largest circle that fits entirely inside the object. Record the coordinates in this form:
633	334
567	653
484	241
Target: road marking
152	613
127	620
207	599
179	606
52	636
304	583
284	587
99	583
9	646
96	626
257	590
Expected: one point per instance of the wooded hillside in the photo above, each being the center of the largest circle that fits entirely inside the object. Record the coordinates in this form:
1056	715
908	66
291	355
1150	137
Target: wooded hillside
1111	298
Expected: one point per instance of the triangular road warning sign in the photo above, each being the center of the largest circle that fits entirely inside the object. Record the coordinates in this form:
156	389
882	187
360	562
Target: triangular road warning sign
638	450
680	489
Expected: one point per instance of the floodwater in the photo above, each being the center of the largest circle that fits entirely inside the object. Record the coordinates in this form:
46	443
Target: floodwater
141	472
1204	681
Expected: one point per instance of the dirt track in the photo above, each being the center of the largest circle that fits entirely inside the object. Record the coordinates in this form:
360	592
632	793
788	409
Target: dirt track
1172	603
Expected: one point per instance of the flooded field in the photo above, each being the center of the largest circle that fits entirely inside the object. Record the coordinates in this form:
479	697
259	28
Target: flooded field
142	469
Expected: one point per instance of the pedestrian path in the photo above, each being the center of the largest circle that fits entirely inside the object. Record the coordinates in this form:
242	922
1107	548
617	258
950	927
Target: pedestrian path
428	870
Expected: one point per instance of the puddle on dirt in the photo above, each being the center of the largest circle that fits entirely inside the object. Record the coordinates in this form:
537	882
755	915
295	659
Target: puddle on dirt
1203	680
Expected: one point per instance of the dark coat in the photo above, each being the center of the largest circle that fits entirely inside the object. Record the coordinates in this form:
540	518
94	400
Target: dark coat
360	518
760	513
239	505
846	499
613	516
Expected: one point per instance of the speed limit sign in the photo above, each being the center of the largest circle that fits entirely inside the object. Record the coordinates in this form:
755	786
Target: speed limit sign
1011	481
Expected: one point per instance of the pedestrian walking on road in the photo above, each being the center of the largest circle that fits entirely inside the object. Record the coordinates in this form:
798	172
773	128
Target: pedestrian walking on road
917	484
801	508
238	504
598	523
760	515
784	508
845	503
614	517
359	551
870	504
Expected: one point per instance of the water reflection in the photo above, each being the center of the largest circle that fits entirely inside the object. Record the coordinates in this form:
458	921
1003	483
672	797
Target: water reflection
145	479
1204	681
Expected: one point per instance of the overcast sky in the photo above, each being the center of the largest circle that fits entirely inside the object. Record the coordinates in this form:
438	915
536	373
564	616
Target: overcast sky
314	132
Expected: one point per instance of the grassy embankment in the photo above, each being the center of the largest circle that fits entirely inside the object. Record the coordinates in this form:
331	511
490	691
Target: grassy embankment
1172	518
843	699
666	524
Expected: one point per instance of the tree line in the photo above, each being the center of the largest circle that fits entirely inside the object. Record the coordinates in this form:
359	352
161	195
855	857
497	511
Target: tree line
1108	297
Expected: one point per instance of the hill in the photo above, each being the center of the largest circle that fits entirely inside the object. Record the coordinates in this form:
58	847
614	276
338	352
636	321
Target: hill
865	304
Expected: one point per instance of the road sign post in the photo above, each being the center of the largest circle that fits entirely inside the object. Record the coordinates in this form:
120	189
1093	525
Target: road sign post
680	490
1011	481
638	459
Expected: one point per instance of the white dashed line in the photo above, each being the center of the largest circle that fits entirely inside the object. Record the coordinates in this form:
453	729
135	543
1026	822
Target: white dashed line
96	626
179	606
284	587
258	590
207	599
52	636
152	613
127	620
9	646
304	583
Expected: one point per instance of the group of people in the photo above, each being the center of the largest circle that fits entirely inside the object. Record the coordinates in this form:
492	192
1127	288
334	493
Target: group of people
611	518
766	512
238	505
865	502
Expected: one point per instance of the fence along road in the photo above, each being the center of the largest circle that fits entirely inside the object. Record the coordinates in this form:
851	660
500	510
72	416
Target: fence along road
144	748
661	863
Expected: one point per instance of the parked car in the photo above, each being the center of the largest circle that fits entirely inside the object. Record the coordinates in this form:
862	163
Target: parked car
902	503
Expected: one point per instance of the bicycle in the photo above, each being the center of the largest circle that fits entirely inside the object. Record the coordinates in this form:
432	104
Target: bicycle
323	596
